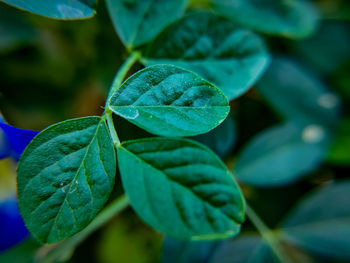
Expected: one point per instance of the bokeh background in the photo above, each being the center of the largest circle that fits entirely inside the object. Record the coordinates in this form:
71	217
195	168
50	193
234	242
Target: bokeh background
51	71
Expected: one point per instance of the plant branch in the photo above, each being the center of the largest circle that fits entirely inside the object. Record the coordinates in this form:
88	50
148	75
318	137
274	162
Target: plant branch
112	131
64	250
269	236
123	70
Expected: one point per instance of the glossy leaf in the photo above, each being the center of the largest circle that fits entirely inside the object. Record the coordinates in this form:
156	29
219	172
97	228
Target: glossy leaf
138	22
170	101
181	188
282	154
16	140
231	57
221	140
58	9
177	251
246	248
294	19
321	222
65	176
297	95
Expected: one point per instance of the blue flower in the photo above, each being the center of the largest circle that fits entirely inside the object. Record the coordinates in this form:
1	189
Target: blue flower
14	140
12	143
12	229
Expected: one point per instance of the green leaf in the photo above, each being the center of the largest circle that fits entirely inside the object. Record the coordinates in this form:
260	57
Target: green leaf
222	139
246	248
65	176
57	9
230	57
138	22
282	154
298	96
288	18
321	222
170	101
339	152
181	188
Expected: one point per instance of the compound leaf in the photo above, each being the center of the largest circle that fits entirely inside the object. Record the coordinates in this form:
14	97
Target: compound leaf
170	101
65	176
321	222
282	154
181	188
230	57
138	22
293	19
58	9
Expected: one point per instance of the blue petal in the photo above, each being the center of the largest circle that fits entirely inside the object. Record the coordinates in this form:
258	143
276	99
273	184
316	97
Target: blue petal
12	229
5	150
17	140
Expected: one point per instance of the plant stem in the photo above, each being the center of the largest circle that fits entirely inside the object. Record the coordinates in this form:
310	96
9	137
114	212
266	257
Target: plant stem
112	131
123	70
65	249
267	234
134	56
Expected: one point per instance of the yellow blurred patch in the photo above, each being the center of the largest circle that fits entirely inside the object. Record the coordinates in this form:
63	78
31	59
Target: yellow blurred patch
7	178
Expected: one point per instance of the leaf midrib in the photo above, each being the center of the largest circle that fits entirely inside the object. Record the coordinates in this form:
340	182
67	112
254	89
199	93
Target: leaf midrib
75	176
190	190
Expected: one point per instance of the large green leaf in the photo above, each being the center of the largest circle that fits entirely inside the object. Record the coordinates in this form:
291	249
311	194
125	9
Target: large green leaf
181	188
65	176
58	9
231	57
297	95
282	154
321	222
138	22
246	248
170	101
289	18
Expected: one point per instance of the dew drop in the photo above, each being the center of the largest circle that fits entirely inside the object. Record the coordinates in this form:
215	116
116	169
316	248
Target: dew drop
328	100
313	133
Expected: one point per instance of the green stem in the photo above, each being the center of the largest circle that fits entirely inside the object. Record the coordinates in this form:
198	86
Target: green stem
123	70
134	56
64	250
112	131
267	234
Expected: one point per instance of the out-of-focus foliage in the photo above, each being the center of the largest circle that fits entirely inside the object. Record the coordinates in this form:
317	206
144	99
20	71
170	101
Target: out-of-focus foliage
283	139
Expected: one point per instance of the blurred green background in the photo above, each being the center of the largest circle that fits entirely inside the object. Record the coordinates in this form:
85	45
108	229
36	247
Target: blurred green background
56	70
